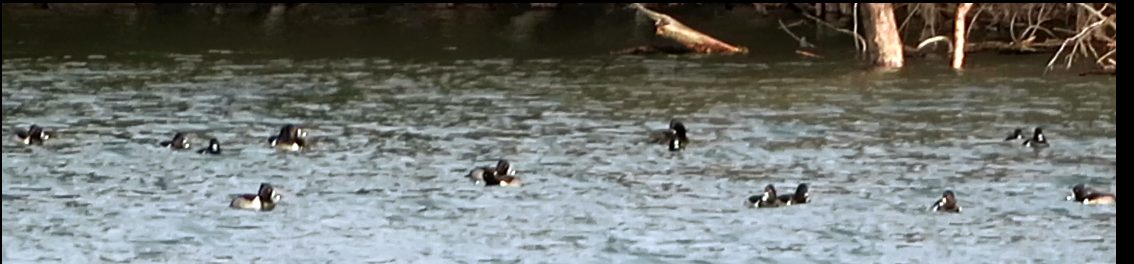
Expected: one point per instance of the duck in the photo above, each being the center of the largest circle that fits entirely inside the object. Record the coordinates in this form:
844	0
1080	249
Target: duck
1083	194
33	136
213	148
802	195
675	138
265	199
1037	140
501	175
290	137
1016	135
179	141
947	203
767	199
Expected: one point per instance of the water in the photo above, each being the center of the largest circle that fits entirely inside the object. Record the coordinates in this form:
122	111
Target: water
399	123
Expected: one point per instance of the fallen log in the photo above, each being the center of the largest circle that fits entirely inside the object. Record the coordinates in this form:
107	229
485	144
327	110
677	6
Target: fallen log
692	39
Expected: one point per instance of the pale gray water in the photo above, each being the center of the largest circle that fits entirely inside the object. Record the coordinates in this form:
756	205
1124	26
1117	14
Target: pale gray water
396	136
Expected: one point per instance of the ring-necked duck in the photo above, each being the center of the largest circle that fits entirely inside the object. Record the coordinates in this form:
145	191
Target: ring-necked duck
213	148
290	137
1086	195
266	199
674	138
179	141
33	136
1037	140
1018	134
501	175
802	195
767	199
947	203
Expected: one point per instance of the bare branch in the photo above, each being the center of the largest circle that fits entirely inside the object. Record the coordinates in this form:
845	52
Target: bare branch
1075	39
802	42
857	37
1099	14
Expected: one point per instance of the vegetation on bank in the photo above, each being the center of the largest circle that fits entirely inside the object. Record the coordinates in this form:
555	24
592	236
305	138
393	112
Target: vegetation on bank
887	33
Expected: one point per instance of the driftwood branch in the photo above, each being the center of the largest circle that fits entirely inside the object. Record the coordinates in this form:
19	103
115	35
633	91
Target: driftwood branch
671	28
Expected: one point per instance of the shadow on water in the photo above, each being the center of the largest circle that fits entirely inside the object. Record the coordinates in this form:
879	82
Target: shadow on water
404	102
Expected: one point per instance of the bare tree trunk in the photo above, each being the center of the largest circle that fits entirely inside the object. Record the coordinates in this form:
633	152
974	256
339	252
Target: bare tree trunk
883	34
959	35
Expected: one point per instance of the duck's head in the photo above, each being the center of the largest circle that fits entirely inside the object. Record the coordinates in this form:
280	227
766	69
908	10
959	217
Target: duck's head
213	148
179	141
677	127
214	145
769	193
291	131
1079	192
504	168
948	200
268	193
35	131
1018	134
802	193
1038	135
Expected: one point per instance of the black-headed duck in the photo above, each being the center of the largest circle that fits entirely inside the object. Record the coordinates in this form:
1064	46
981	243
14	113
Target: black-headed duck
674	138
291	137
802	195
501	175
213	148
33	136
265	199
1086	195
1018	134
947	203
179	141
1038	140
767	199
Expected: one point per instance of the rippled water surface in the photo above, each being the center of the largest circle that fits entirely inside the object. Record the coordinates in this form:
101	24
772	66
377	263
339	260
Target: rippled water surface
396	134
